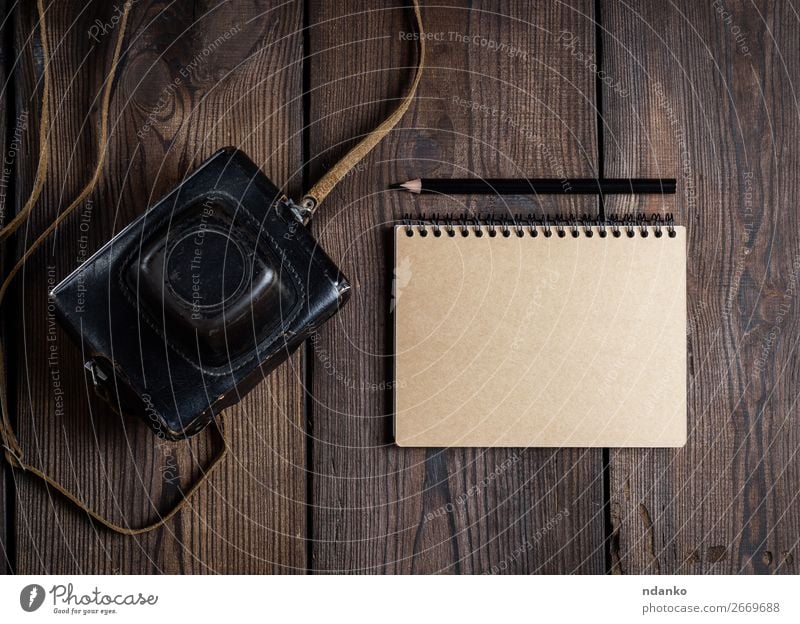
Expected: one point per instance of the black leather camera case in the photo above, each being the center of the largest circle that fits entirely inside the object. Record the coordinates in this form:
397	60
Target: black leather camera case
192	304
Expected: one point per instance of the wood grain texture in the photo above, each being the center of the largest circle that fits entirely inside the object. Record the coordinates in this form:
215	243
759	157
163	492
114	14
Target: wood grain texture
509	92
711	99
6	209
501	97
184	89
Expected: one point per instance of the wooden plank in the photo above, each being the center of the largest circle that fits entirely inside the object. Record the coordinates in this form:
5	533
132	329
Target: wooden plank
522	109
711	100
196	76
6	207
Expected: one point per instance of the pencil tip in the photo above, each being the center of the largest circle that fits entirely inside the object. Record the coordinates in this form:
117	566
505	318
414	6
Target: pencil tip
413	186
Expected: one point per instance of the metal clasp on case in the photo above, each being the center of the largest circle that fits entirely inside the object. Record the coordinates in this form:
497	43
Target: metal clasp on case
99	378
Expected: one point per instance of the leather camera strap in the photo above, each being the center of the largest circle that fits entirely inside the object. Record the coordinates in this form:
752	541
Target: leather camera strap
314	197
11	447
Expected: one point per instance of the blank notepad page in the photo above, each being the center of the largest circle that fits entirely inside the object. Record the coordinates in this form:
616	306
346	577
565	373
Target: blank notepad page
540	341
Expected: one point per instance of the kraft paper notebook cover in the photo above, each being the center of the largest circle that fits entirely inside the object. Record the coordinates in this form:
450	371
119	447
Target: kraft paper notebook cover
522	339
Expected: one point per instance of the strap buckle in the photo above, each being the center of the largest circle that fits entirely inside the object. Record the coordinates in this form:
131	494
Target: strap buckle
302	211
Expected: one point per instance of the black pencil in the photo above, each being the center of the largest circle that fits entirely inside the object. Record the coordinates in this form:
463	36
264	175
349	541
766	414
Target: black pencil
548	186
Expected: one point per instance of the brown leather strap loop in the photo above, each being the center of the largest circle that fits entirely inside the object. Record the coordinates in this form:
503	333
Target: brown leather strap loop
12	450
314	197
15	459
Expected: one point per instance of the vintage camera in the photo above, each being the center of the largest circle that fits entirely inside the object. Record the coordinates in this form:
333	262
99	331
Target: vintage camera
192	304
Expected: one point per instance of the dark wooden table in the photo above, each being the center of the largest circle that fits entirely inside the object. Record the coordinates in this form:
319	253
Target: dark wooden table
703	91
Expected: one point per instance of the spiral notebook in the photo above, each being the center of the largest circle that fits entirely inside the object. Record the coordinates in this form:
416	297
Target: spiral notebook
540	334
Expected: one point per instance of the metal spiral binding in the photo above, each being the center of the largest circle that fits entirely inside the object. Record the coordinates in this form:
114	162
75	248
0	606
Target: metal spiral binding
548	225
